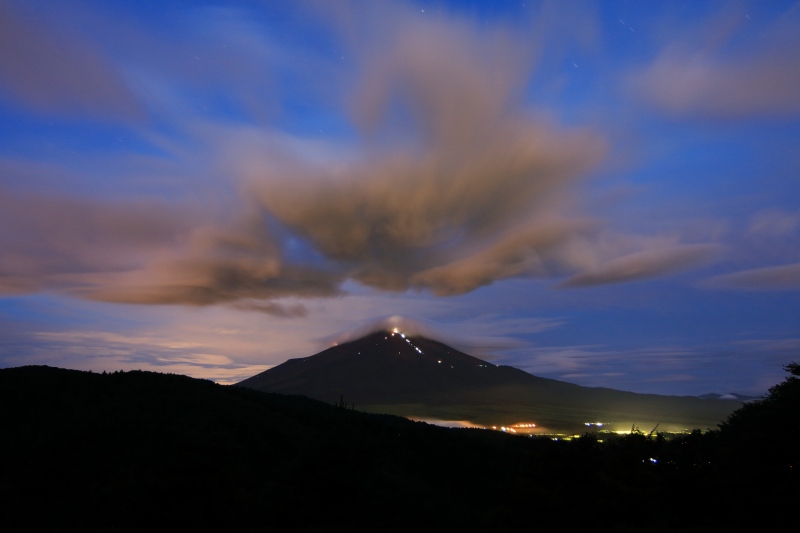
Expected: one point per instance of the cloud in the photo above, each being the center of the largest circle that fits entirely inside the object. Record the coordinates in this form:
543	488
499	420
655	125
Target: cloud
644	264
57	72
774	278
684	84
48	238
698	77
462	186
242	267
447	182
148	252
520	254
773	223
112	351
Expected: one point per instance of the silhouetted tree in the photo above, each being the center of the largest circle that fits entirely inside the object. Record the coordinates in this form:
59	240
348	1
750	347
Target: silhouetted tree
766	432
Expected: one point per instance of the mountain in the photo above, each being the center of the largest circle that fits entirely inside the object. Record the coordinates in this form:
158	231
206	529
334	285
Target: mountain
416	377
729	396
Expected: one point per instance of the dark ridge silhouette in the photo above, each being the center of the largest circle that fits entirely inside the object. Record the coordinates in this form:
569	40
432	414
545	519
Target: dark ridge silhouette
419	377
129	451
140	451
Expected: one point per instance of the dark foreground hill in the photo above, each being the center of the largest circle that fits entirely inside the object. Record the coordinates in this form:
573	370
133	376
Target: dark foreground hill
139	451
389	373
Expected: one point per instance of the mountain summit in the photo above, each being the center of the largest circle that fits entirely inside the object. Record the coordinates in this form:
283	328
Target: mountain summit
390	372
382	366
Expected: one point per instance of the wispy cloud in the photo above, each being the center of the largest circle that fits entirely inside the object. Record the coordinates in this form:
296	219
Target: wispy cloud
774	223
58	72
697	76
644	264
772	278
156	350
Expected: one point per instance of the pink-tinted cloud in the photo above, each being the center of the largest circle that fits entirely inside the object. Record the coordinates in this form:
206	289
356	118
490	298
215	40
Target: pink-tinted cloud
240	266
47	238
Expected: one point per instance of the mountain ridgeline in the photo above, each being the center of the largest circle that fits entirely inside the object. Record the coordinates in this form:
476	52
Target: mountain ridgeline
141	451
416	377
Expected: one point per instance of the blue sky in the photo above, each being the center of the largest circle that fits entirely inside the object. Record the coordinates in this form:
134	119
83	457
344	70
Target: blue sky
601	192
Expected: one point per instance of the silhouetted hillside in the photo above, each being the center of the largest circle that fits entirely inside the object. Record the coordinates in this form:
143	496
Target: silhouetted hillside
133	451
125	451
387	372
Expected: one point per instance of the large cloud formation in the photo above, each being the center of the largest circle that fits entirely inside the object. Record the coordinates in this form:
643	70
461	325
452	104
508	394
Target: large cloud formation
468	190
449	182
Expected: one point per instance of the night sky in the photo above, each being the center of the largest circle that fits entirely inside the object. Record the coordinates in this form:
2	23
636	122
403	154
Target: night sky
606	193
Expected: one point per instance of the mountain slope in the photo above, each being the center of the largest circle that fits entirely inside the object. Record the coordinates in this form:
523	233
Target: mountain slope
419	377
138	451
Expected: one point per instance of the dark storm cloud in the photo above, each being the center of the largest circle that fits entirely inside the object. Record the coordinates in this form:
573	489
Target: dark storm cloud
57	72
